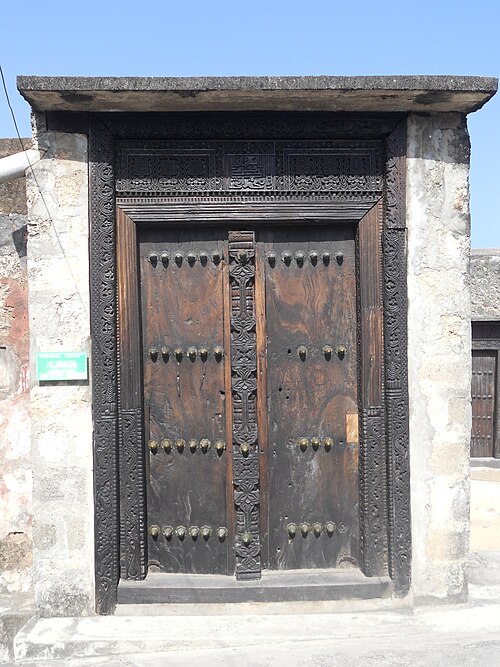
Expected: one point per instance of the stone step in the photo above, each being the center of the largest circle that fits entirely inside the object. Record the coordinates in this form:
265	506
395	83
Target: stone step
282	586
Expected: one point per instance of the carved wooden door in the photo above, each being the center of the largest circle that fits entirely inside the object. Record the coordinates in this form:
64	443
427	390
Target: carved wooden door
250	398
312	412
182	300
484	382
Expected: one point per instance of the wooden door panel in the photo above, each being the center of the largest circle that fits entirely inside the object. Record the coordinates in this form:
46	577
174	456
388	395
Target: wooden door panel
182	300
484	370
310	299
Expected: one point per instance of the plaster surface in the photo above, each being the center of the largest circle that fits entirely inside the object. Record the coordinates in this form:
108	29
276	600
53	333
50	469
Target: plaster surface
439	344
15	455
58	271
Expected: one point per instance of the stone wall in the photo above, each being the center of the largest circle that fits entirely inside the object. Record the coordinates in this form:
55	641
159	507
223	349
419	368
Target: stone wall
58	268
485	284
15	454
439	352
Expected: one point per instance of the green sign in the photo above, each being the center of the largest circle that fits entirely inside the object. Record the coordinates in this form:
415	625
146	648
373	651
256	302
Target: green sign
53	366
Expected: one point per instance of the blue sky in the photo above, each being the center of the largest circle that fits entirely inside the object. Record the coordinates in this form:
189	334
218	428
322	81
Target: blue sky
166	38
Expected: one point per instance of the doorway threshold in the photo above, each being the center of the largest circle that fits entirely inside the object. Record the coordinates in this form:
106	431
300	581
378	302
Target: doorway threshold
274	586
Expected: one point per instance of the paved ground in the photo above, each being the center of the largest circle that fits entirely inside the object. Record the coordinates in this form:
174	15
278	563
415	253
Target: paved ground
369	634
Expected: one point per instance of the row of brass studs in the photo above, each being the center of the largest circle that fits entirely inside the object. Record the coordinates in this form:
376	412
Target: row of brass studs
180	445
191	258
328	351
315	443
307	528
191	353
301	257
182	532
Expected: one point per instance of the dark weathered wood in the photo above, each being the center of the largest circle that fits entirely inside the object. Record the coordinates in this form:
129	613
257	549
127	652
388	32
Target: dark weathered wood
292	585
297	209
133	555
484	401
311	302
104	365
372	453
244	395
182	312
486	337
396	361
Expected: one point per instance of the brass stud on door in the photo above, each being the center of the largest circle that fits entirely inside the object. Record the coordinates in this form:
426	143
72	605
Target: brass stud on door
194	531
221	533
287	258
180	531
327	444
203	258
153	258
327	352
315	443
292	530
245	449
178	352
302	352
153	353
326	258
246	538
220	446
192	353
339	257
299	258
218	352
203	353
168	532
303	443
193	445
204	445
216	257
313	256
166	443
271	258
165	258
304	529
341	350
154	531
330	527
180	443
206	531
165	353
191	258
153	446
317	529
178	257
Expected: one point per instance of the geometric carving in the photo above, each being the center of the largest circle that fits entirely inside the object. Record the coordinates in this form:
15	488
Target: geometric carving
372	490
396	364
104	366
244	394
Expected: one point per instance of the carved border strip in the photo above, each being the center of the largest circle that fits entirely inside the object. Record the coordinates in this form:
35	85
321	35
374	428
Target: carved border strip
396	361
103	129
244	388
104	365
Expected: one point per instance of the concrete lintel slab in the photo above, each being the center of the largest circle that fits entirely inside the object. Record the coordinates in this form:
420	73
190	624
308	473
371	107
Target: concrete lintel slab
309	93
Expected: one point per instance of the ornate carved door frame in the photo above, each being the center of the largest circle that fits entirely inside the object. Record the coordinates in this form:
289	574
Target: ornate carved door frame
384	457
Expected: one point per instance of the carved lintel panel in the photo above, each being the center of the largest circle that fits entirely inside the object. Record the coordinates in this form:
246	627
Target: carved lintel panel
244	390
340	169
132	496
396	363
104	366
373	535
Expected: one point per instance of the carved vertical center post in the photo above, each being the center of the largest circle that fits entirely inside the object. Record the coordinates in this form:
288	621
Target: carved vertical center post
244	390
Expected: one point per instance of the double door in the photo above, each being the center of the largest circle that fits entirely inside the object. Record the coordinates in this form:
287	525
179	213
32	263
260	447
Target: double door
250	368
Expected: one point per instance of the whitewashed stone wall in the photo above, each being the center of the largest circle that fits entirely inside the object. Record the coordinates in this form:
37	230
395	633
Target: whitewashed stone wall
485	284
58	272
439	352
